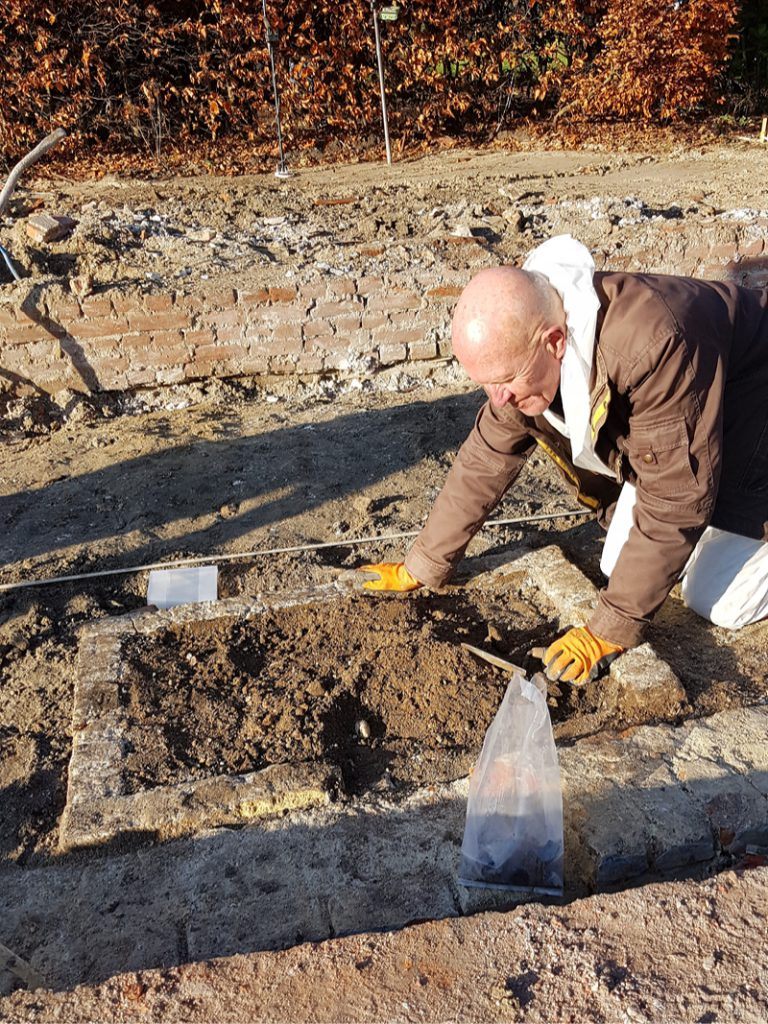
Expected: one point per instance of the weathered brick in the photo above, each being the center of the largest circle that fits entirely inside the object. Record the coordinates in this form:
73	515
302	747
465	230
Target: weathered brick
371	284
95	348
110	367
310	364
252	296
723	251
373	320
282	294
158	321
318	329
218	353
339	287
275	346
255	365
395	300
338	360
422	350
287	313
392	353
62	309
131	342
98	327
752	248
313	290
8	316
287	333
201	336
401	336
697	252
167	339
232	332
444	291
96	305
191	304
138	377
20	335
61	381
407	318
330	309
125	303
712	272
158	303
169	375
201	369
222	317
444	347
280	364
162	356
216	295
345	324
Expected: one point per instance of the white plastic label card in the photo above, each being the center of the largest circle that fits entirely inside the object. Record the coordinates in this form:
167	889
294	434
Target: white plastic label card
169	587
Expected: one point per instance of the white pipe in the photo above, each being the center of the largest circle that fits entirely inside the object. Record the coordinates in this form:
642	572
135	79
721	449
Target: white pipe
240	555
380	61
26	162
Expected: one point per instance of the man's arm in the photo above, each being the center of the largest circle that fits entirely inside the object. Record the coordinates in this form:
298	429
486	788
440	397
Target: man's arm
674	448
487	464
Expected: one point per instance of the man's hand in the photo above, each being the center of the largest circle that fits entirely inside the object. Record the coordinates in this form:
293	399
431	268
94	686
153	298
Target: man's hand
389	576
578	656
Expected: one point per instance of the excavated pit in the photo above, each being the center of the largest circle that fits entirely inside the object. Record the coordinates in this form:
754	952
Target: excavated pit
380	687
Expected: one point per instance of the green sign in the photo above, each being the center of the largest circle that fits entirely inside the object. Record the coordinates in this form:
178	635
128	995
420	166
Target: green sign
389	13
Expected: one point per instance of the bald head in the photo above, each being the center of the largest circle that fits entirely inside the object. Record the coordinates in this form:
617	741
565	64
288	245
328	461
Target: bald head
498	317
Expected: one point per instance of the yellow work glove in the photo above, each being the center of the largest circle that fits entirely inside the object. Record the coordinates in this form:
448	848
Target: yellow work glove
578	656
390	576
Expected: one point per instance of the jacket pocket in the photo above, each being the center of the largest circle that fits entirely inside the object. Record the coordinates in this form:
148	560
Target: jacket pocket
660	456
755	477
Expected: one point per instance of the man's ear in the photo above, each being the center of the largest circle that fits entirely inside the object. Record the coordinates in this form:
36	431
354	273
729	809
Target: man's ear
554	340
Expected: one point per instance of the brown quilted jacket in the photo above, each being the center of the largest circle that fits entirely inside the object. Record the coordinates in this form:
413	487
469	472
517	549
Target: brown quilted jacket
679	407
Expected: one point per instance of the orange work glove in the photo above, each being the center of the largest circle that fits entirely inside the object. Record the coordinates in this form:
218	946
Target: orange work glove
390	576
578	656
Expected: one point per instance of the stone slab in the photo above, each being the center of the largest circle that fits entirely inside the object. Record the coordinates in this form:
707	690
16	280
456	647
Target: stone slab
638	805
647	686
680	952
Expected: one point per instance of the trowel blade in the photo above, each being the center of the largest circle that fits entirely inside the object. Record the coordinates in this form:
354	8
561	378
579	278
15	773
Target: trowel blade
493	659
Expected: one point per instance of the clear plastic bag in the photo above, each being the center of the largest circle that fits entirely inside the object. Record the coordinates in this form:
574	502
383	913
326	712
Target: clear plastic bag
513	837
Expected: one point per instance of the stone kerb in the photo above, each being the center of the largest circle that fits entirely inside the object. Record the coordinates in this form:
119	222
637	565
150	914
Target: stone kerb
646	802
646	685
99	807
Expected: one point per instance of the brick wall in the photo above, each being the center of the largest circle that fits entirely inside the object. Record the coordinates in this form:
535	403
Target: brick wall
110	341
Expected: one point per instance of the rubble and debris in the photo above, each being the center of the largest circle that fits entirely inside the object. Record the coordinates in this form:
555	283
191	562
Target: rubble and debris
42	227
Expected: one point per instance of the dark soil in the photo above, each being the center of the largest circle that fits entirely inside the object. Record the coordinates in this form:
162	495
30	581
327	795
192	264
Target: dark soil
306	683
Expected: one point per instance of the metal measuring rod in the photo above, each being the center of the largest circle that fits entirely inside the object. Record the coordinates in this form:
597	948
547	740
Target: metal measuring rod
272	38
388	13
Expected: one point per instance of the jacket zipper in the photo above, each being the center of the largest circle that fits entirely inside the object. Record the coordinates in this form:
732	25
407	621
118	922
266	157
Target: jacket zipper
585	499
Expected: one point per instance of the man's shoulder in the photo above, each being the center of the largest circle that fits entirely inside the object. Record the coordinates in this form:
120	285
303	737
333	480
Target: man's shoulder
639	309
636	309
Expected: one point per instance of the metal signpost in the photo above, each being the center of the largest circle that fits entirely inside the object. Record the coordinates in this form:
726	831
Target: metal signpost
389	13
272	37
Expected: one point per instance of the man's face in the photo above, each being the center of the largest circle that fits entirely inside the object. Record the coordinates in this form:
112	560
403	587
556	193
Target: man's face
529	383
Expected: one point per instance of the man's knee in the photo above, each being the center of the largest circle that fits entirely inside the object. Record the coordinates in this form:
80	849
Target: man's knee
727	586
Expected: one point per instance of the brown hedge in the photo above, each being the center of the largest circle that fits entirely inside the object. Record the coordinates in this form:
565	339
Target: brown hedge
124	76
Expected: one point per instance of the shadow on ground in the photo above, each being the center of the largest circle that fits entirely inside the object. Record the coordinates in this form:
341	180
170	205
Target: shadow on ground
345	870
287	471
